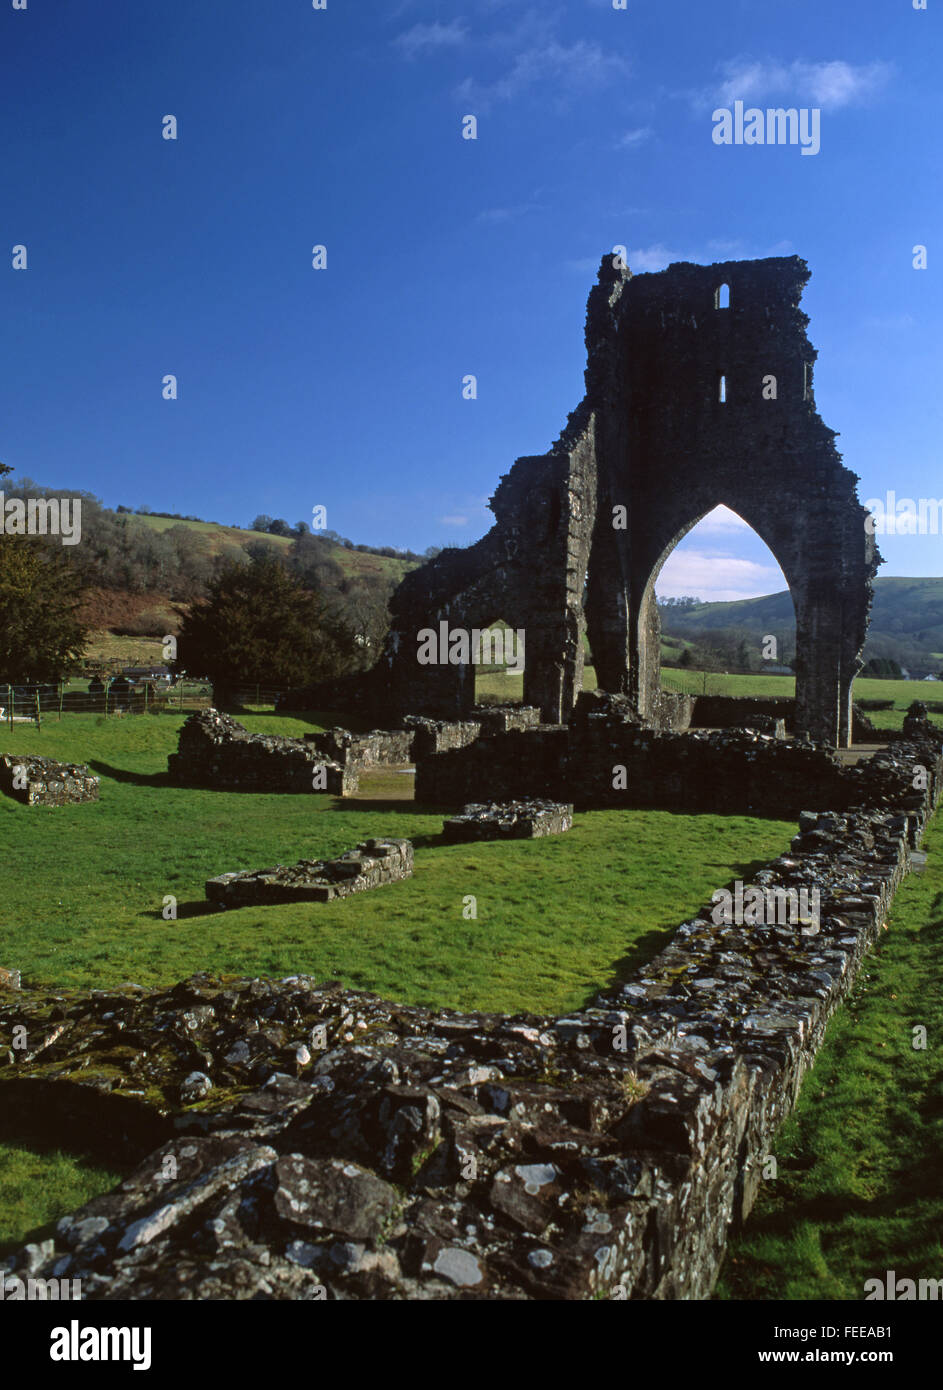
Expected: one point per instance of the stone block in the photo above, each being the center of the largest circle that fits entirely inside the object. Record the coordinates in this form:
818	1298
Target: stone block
38	781
371	865
509	820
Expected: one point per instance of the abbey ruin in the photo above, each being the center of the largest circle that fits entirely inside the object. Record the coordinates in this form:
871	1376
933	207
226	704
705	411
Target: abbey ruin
698	392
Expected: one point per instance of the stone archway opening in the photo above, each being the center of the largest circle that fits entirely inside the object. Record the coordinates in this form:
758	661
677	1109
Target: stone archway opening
698	392
722	560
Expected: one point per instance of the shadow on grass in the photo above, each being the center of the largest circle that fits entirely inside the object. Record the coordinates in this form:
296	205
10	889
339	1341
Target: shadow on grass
406	807
643	949
123	774
46	1138
321	718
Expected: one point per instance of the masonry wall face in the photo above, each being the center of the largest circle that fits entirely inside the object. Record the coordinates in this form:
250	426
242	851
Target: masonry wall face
611	763
47	783
216	751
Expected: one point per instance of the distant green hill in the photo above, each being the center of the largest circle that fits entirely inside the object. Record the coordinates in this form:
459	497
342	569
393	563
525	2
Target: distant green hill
906	620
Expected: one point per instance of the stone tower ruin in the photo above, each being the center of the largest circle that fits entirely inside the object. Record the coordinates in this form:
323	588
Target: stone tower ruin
698	392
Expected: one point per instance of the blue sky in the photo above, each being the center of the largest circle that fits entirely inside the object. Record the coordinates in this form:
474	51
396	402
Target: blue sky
342	127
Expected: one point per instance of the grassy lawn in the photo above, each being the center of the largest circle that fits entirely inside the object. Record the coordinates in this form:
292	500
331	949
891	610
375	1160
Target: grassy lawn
858	1189
556	918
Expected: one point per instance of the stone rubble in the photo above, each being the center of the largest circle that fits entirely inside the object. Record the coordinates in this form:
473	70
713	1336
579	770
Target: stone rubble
509	820
371	865
48	783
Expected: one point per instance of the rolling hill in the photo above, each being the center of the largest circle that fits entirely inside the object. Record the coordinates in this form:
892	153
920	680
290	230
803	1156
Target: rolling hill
906	620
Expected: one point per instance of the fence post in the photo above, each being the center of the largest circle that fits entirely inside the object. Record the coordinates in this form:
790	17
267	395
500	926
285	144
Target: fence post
39	724
61	688
106	698
10	705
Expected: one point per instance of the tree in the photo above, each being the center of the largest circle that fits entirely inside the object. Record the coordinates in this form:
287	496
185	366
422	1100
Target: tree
40	634
261	523
260	625
686	658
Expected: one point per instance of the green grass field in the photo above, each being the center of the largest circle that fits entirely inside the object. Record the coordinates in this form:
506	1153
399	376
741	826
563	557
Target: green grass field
858	1188
556	919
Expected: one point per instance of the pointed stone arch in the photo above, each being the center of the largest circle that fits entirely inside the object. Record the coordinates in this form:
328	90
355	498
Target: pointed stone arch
651	449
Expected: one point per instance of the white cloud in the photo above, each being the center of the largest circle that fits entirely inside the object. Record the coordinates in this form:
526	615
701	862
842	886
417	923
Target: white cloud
429	38
716	578
632	138
722	520
453	520
828	85
495	215
655	257
571	66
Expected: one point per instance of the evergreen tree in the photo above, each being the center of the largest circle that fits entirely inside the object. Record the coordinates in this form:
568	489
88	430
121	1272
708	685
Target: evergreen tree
260	625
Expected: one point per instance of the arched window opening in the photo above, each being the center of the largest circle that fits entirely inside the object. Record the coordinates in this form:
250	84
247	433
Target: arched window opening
722	297
722	390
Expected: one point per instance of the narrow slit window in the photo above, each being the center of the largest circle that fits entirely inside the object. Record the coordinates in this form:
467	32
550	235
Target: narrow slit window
722	297
722	390
806	381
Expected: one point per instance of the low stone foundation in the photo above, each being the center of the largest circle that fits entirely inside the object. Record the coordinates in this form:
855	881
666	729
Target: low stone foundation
511	820
215	751
504	719
40	781
607	760
358	752
350	1148
371	865
398	747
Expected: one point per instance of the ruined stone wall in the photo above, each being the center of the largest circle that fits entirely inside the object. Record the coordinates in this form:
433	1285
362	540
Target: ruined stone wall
372	864
497	768
379	748
38	781
609	762
672	712
365	1150
688	405
214	750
